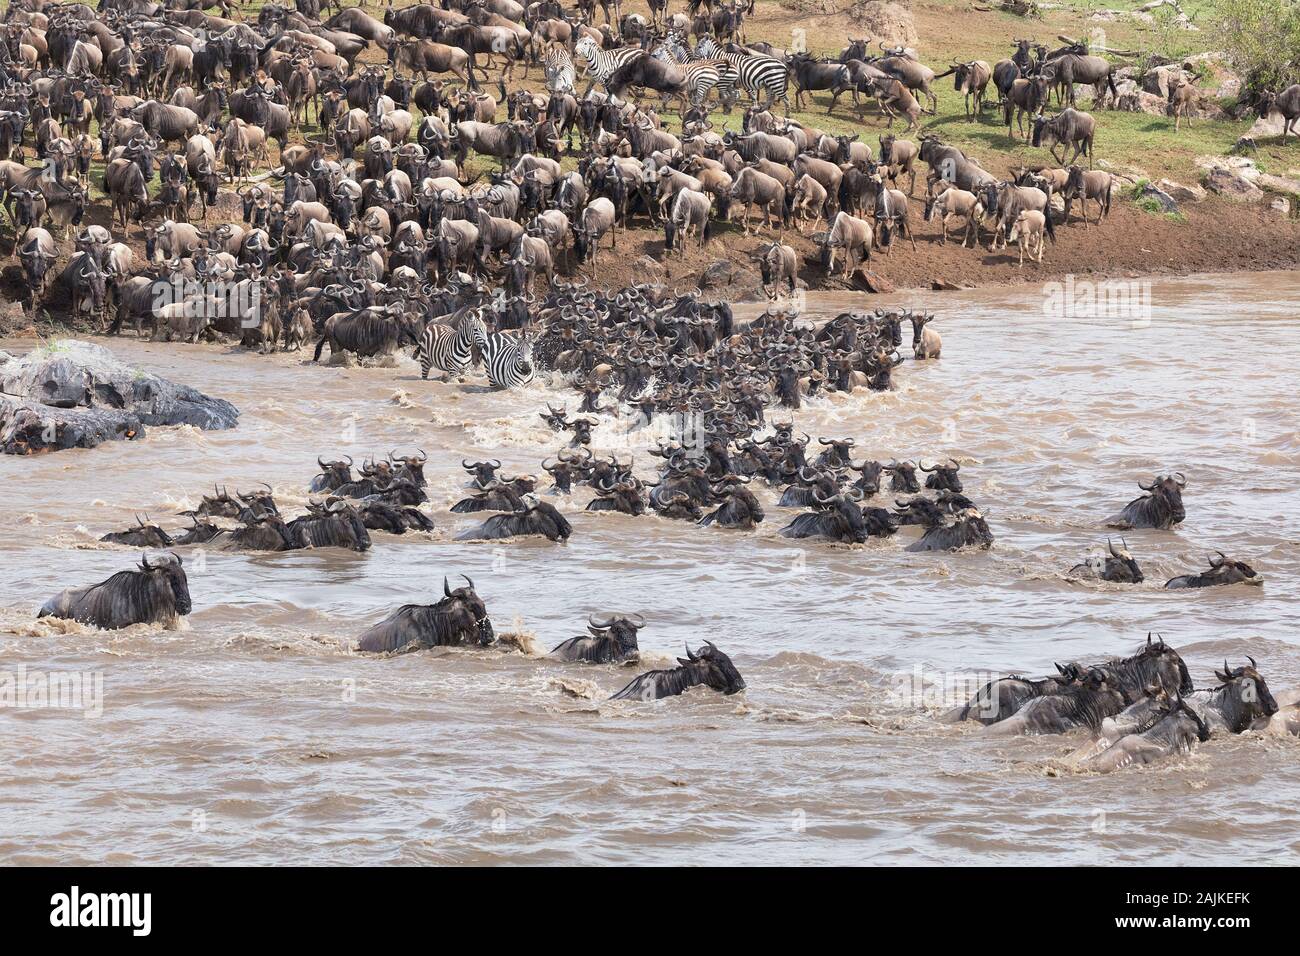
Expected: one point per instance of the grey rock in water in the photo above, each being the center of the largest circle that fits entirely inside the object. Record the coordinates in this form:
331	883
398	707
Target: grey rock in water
73	394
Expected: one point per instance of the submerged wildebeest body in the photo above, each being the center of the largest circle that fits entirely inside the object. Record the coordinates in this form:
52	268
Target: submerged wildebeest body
158	593
707	666
534	518
1118	567
1155	665
1221	572
1161	507
459	619
613	640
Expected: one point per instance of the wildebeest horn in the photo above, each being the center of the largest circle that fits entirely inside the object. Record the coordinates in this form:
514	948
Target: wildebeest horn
1252	662
690	655
469	581
446	589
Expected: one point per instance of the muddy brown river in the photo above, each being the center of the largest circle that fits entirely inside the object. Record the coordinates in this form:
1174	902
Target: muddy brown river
252	734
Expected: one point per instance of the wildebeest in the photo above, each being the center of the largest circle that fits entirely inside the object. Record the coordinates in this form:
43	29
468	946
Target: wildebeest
1001	698
1149	730
968	529
956	204
778	264
613	640
740	509
1161	507
534	518
1029	232
1119	566
707	666
1287	103
1085	703
141	536
927	344
1241	698
851	234
970	79
1069	129
375	330
1094	184
459	619
158	593
1222	571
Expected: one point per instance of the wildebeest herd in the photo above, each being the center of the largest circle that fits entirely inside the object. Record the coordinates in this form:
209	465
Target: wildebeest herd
360	233
378	236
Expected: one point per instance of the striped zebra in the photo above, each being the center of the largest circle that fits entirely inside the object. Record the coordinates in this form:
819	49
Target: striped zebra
557	67
602	64
757	73
507	360
702	76
449	351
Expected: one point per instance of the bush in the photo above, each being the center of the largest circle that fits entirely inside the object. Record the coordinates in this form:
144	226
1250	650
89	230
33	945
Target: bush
1261	39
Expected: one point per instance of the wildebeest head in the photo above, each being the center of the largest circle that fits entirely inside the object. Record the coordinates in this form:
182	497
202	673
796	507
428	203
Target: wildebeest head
1118	566
141	536
482	473
714	669
1223	571
1244	696
170	570
902	477
466	601
943	477
219	505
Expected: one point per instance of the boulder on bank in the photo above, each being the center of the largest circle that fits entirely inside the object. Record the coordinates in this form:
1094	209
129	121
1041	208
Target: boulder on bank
73	394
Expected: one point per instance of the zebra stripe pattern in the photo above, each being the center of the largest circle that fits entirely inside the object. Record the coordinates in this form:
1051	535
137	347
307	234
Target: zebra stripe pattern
507	360
756	73
557	67
702	76
446	350
602	64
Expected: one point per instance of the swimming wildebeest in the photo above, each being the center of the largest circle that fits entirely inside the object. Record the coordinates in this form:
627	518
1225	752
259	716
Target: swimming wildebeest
158	593
459	619
141	536
707	666
1222	571
1161	507
613	640
1119	567
533	518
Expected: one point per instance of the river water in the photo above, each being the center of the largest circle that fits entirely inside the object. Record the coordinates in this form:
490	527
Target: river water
252	734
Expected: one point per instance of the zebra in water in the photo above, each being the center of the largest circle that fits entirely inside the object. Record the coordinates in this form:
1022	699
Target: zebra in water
450	351
507	360
602	64
757	73
702	75
557	67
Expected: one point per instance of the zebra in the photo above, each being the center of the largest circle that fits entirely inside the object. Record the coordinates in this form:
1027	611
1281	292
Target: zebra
507	360
702	75
557	67
756	71
602	64
450	352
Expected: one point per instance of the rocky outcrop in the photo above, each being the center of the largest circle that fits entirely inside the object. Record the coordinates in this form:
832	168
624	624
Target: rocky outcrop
1231	184
1179	192
73	394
